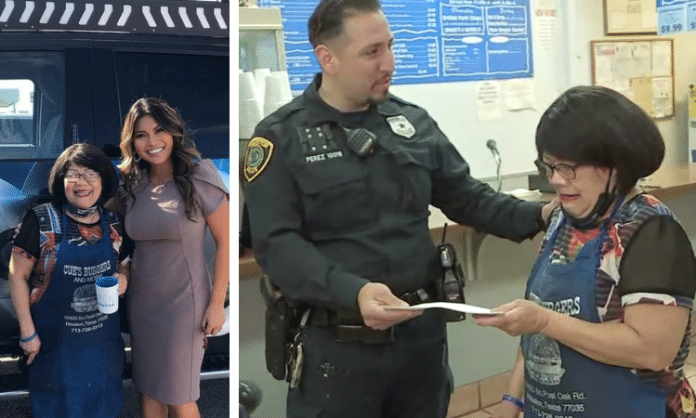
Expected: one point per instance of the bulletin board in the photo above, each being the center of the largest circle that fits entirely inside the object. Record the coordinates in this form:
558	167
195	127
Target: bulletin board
641	69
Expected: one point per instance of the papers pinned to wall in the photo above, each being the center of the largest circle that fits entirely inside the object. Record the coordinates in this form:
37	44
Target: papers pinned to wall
488	97
519	94
641	69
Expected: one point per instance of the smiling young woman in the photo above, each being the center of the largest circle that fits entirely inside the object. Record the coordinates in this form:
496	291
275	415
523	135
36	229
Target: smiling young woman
170	198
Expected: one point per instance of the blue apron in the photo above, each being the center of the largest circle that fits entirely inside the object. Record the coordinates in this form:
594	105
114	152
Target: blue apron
78	371
561	382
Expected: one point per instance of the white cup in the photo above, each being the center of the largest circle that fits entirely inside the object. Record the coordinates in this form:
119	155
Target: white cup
286	91
260	75
274	90
250	114
277	92
247	87
107	294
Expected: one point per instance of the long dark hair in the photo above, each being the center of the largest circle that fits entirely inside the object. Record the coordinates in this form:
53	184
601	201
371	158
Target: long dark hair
184	154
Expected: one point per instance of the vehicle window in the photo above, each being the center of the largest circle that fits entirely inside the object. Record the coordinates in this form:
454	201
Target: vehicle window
197	85
17	112
31	103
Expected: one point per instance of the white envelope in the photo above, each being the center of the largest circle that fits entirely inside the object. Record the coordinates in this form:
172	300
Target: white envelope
460	307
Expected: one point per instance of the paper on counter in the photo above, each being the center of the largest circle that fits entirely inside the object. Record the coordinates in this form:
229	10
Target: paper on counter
525	194
460	307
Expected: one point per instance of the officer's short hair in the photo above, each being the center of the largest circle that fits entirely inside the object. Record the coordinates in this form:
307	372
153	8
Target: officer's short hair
327	20
598	126
88	156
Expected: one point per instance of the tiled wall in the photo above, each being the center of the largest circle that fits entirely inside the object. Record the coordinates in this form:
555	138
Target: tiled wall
477	399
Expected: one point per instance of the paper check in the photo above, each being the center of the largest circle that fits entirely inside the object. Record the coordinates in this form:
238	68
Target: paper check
460	307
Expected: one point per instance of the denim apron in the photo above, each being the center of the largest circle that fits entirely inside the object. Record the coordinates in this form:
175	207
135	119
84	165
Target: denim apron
561	382
78	371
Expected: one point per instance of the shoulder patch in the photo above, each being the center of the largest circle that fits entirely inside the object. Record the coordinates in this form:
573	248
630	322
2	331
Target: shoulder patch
257	157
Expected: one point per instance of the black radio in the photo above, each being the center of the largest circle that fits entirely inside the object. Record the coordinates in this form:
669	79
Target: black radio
451	288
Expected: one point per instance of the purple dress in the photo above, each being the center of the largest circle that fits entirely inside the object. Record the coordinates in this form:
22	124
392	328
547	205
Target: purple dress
170	285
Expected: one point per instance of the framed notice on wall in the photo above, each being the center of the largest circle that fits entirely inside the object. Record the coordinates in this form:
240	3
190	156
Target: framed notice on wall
641	69
627	17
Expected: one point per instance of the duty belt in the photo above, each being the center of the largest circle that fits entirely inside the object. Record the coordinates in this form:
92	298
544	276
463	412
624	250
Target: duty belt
349	324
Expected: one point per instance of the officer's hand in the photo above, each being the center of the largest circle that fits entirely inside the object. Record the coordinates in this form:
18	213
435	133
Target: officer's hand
372	298
548	208
520	317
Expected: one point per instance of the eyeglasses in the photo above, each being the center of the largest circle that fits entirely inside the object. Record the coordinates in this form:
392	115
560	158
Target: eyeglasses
566	171
73	176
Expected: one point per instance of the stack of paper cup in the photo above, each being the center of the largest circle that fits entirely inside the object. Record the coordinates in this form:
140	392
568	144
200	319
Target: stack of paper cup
250	110
260	75
277	92
285	83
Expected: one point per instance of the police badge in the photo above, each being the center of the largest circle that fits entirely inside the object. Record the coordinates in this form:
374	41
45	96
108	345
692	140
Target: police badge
259	152
401	126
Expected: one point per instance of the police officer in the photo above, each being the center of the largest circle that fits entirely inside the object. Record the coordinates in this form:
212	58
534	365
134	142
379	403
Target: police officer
338	184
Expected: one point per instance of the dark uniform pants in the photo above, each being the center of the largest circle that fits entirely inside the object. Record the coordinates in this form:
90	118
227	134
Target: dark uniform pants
409	378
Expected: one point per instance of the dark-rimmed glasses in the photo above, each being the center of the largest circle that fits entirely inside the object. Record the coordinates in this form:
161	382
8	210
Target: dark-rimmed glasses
566	171
73	176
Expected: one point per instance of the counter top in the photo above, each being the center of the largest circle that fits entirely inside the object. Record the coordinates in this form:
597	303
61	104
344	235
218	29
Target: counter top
248	267
670	181
664	183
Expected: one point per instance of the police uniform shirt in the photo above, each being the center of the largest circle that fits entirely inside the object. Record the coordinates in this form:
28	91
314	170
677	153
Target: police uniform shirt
326	220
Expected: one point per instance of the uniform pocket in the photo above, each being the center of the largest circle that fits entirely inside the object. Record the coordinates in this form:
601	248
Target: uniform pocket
335	197
417	165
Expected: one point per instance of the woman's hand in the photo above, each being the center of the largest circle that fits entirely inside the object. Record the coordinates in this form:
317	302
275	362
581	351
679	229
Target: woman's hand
520	317
31	348
213	319
122	283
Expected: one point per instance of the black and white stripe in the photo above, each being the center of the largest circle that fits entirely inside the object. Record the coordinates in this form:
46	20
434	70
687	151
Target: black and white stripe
149	16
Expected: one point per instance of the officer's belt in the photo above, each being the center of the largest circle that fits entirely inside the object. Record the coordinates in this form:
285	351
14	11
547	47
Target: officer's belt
350	326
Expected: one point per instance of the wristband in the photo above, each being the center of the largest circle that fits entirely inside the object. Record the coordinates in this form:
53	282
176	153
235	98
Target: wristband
518	403
29	338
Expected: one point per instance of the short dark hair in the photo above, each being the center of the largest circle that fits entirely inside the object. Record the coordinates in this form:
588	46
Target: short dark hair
598	126
327	20
85	155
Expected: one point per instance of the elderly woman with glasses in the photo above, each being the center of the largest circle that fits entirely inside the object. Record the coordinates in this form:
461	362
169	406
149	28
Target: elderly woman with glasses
74	352
605	320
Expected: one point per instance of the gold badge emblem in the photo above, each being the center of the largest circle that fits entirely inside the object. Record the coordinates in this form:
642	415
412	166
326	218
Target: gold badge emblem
257	157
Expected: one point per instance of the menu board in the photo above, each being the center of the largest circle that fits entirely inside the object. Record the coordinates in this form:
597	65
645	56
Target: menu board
675	16
434	41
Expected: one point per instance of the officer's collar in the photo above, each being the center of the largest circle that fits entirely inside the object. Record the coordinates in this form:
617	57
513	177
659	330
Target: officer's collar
388	108
321	111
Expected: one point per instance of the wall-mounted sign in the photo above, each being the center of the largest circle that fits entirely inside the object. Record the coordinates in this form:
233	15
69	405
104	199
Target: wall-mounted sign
435	41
